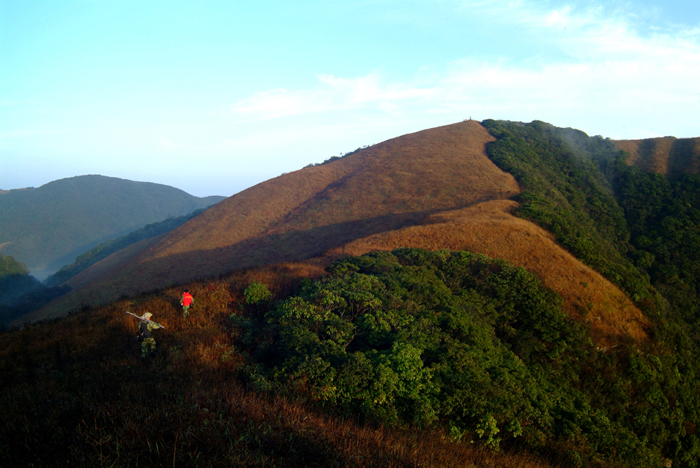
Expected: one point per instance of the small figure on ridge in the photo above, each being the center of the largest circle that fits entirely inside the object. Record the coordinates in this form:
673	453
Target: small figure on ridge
146	325
186	301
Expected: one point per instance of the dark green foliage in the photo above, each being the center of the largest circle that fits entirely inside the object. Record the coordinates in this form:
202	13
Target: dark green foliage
477	347
642	232
664	221
257	293
564	176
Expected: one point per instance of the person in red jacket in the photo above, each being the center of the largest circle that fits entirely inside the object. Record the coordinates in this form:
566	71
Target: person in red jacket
186	301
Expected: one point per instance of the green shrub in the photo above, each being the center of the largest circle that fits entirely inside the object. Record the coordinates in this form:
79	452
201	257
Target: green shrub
454	339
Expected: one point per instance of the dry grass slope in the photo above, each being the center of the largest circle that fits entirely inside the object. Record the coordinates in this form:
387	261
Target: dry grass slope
434	189
300	215
670	156
490	228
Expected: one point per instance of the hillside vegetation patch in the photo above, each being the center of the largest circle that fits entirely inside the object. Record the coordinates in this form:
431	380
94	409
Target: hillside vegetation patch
474	346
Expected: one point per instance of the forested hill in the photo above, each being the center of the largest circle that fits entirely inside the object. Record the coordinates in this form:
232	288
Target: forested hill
638	227
455	337
47	227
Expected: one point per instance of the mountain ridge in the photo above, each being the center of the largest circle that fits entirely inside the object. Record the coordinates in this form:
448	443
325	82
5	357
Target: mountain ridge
395	193
48	226
302	214
666	155
556	317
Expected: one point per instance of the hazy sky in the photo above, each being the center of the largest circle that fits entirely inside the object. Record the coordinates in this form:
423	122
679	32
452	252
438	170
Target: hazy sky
214	96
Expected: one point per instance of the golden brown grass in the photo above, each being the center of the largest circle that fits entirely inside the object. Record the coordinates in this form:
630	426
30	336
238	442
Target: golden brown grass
668	155
434	189
490	228
303	214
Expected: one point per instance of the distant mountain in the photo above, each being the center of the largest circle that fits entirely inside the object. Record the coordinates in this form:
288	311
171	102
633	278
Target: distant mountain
668	155
47	227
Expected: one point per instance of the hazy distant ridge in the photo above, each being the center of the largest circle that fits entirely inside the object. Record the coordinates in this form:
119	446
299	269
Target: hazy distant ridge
48	226
105	249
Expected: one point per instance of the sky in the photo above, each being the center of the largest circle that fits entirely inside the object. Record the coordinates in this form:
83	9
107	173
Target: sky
215	96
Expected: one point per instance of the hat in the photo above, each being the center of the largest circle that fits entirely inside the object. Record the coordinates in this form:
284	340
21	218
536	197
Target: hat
147	315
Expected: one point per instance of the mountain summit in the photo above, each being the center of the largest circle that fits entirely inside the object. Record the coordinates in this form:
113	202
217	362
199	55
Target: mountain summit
433	189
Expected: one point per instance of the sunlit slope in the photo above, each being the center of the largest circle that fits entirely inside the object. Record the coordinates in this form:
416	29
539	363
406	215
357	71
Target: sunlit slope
305	213
434	189
492	229
670	156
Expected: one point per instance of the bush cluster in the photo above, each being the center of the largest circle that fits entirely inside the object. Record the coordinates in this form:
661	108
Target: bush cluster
475	346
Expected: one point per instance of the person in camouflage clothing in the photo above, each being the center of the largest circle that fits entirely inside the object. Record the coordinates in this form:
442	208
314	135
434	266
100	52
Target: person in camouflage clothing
148	343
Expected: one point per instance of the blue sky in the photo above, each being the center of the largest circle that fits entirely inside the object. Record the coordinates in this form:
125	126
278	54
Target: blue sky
215	96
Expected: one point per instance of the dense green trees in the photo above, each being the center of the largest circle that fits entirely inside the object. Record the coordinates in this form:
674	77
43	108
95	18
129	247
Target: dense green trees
664	222
640	230
474	345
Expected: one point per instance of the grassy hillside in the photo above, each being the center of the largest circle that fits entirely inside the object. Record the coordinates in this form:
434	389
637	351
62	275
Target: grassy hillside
303	214
493	229
74	392
397	358
474	346
47	227
412	358
25	294
434	189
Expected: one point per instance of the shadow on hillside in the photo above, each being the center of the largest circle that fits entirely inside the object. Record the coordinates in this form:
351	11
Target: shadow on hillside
684	157
133	278
673	156
280	247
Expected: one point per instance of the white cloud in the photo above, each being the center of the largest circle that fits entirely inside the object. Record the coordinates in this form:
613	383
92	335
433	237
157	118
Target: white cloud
610	71
332	94
559	18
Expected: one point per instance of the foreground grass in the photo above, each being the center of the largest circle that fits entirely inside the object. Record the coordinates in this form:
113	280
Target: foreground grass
75	392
